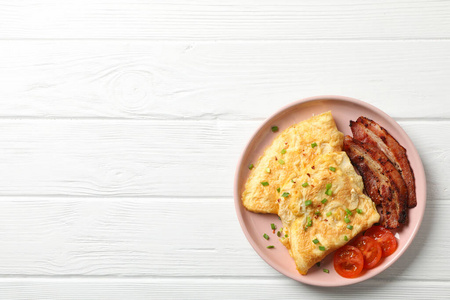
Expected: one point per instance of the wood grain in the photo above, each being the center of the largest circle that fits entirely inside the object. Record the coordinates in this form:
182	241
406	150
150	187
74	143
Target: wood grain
154	158
165	237
225	20
211	80
173	288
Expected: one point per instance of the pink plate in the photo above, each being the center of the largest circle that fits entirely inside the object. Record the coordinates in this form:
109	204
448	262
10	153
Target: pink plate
255	225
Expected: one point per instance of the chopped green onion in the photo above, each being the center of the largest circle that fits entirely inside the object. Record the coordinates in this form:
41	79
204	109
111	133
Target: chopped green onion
329	192
359	211
274	128
264	183
318	264
273	226
286	235
314	145
345	238
346	219
285	194
350	227
270	247
317	213
332	169
315	241
250	166
321	248
278	233
267	170
266	236
348	211
326	270
281	162
324	200
278	190
308	222
308	202
305	184
328	213
283	151
328	186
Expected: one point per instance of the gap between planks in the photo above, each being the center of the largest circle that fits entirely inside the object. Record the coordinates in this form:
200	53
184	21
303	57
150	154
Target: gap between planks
145	278
186	118
216	41
174	198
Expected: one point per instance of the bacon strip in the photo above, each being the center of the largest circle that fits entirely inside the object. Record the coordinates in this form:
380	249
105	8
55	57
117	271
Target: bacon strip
382	181
368	131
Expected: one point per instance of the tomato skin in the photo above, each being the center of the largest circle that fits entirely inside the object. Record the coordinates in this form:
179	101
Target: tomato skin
348	261
370	249
383	236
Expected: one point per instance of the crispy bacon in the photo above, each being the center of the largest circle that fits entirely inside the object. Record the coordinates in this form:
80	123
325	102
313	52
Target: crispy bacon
382	181
368	131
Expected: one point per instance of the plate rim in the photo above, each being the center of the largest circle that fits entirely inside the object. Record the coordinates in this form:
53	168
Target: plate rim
238	202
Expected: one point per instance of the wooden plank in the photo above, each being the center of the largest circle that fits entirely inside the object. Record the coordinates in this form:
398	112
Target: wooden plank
166	238
228	80
154	158
225	20
168	288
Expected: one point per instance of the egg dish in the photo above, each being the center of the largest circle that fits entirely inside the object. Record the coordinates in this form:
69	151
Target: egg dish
306	178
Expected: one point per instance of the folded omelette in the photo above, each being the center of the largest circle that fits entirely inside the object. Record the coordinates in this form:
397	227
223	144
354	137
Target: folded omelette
306	178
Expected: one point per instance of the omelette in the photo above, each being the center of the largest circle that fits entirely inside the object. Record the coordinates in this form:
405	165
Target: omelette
314	190
287	157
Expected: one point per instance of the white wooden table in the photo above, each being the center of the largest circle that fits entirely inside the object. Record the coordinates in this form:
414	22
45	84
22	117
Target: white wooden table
121	123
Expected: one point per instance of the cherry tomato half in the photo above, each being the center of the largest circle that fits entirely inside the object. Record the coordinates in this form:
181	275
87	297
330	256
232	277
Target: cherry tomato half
370	249
383	236
348	261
